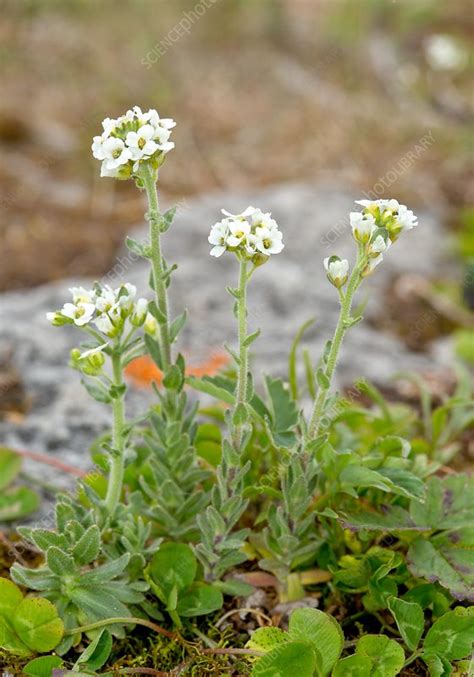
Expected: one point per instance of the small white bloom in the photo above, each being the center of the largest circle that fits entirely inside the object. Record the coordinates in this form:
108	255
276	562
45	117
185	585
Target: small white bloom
372	264
363	225
218	237
105	324
381	204
106	300
151	325
259	218
379	245
98	146
269	240
79	294
141	143
239	228
140	311
406	218
337	270
115	153
80	313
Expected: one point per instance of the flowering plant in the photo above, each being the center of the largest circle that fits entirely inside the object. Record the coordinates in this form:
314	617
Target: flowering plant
289	479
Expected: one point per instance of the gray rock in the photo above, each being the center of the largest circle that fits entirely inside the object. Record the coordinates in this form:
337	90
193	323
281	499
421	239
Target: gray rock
285	292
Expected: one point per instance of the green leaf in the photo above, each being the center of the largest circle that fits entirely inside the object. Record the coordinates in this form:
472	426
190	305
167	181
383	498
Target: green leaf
408	484
410	620
87	547
173	565
387	518
447	559
320	630
153	348
297	658
59	562
177	324
97	391
452	635
449	503
353	666
97	653
16	503
266	639
438	666
174	379
284	413
251	338
10	466
240	415
292	375
43	666
38	625
10	597
205	385
359	477
167	219
322	379
10	641
136	247
386	655
199	600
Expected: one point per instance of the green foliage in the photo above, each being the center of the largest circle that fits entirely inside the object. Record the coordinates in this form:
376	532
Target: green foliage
15	502
27	625
80	593
172	572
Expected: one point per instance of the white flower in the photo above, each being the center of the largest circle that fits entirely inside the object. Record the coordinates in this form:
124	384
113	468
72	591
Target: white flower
79	294
381	204
217	237
106	300
337	270
372	264
259	218
138	316
105	324
141	143
239	228
151	325
363	225
115	153
406	218
268	240
379	245
125	295
80	313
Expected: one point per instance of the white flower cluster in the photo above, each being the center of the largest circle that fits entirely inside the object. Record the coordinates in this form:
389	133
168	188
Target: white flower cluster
375	228
252	234
104	307
131	139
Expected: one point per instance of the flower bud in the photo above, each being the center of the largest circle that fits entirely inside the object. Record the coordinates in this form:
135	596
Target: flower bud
372	264
151	325
140	312
92	361
378	246
57	319
337	270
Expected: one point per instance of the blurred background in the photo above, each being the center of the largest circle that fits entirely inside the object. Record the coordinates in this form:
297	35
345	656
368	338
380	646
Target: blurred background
375	94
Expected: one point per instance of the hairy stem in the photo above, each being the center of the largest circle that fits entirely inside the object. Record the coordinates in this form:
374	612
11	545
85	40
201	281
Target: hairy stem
340	331
241	389
158	265
122	620
114	488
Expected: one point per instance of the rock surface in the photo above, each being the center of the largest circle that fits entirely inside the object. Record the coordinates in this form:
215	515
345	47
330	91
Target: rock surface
285	292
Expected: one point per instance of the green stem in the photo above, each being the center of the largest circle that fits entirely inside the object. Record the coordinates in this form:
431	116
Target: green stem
341	328
241	389
114	488
157	263
121	620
